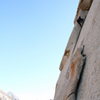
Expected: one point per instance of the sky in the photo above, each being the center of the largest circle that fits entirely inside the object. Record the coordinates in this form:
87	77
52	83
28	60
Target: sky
33	37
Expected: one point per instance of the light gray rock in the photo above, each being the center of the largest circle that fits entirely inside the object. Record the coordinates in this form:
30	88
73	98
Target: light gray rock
89	36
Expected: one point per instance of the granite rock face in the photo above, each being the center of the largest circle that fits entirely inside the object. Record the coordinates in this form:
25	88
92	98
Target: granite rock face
85	83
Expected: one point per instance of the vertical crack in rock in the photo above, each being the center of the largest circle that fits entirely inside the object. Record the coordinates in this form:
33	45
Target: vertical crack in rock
76	68
74	59
81	74
80	79
80	21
